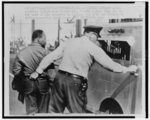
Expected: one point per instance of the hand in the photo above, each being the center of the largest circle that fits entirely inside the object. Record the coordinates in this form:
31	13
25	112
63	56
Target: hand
34	75
132	69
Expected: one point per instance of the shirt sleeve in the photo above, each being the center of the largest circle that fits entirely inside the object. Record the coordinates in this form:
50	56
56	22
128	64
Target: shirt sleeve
50	58
102	58
17	66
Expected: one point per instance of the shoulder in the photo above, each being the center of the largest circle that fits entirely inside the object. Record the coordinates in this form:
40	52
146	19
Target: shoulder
41	48
38	50
24	50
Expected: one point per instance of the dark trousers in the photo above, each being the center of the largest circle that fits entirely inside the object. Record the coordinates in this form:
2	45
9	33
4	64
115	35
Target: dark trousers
36	102
67	92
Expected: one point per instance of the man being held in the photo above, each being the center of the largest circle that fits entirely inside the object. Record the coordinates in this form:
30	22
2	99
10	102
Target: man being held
70	84
35	92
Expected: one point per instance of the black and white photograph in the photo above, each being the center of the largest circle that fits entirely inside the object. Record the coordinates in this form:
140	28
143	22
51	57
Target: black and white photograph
74	59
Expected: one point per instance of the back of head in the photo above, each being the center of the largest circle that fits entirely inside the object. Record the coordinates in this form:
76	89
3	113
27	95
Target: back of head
36	34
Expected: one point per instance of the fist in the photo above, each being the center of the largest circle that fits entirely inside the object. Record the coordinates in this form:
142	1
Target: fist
132	69
34	75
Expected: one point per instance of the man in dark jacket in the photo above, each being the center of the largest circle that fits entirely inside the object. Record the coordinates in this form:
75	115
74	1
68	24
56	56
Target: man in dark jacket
34	92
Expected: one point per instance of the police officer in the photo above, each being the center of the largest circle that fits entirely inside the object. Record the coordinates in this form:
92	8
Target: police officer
35	92
70	84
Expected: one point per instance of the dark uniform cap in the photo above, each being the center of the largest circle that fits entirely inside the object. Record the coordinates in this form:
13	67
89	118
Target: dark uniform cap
92	28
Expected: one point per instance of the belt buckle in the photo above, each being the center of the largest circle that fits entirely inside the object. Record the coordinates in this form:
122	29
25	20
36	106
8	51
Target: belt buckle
75	76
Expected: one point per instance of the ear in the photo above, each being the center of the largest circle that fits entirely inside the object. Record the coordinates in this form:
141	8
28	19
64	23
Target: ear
90	37
38	40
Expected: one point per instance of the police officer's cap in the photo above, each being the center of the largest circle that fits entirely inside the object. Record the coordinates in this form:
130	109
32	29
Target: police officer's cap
92	28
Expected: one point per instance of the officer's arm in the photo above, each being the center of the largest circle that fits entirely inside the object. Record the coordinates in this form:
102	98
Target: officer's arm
102	58
50	58
17	66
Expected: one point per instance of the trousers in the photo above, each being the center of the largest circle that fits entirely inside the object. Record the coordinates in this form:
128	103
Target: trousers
67	91
35	101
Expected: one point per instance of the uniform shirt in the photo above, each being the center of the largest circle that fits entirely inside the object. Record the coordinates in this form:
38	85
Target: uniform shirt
28	59
78	55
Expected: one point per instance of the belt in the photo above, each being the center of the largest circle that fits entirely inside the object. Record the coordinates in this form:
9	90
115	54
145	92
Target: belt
72	75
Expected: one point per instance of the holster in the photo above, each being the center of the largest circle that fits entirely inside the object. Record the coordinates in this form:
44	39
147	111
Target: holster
83	88
84	85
